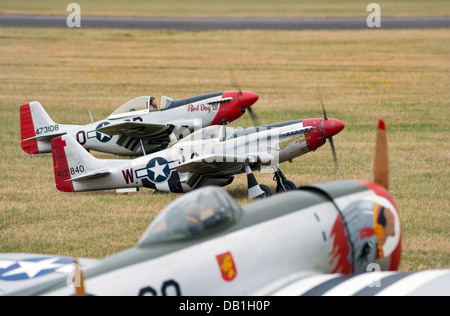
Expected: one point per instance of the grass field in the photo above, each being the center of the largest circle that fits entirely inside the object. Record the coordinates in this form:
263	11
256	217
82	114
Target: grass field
400	76
235	8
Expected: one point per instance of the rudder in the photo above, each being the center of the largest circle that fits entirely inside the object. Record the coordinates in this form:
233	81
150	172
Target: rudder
61	166
70	161
34	121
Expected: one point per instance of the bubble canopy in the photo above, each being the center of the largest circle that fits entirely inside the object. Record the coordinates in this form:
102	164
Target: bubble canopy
134	107
194	213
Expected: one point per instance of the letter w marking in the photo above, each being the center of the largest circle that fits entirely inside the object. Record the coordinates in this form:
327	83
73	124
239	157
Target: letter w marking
128	175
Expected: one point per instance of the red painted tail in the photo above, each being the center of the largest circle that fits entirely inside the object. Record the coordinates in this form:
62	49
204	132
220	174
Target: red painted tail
37	128
27	130
61	166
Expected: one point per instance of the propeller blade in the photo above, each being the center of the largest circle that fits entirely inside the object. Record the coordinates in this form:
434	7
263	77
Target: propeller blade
325	117
333	152
79	281
323	106
235	84
381	164
253	116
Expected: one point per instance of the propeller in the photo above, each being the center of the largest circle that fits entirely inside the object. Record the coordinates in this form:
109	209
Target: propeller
333	149
250	110
79	280
381	163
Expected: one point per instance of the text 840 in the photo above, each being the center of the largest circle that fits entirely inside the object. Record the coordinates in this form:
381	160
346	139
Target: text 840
74	170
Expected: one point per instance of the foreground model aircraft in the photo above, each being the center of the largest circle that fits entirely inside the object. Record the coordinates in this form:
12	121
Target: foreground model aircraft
317	240
136	124
210	156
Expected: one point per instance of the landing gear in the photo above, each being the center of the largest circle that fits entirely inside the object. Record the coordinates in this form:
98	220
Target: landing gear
283	184
267	191
255	190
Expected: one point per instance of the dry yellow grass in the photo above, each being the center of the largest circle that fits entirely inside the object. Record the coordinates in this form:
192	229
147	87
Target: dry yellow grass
401	76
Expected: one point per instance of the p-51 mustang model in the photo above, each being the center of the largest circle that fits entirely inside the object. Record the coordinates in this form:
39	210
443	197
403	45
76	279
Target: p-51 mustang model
136	124
317	240
210	156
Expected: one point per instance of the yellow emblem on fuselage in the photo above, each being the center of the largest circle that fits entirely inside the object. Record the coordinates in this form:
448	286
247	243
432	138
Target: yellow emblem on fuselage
296	139
227	266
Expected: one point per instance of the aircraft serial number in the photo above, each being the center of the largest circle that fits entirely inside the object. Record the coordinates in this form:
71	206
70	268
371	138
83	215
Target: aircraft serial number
168	288
47	129
74	170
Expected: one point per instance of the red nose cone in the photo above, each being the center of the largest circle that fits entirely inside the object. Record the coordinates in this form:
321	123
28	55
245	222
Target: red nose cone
247	99
332	127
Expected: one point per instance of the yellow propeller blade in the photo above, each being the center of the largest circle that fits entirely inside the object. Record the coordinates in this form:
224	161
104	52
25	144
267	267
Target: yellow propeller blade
79	281
381	164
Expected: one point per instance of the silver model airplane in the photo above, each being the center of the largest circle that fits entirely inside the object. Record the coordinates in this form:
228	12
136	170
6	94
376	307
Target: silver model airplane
337	238
210	156
137	127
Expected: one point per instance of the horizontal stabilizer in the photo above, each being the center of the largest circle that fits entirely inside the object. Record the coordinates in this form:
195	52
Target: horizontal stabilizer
45	137
91	175
41	273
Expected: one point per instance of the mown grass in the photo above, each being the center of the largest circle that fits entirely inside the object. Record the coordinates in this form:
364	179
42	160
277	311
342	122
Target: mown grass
401	76
231	8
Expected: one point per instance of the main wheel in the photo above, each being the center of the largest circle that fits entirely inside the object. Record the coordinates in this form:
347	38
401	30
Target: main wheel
287	186
267	191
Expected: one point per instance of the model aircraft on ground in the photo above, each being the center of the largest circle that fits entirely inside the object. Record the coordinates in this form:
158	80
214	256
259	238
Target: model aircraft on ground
336	238
136	124
210	156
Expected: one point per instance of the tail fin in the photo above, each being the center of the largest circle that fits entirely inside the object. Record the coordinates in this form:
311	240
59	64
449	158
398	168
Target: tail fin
36	128
71	161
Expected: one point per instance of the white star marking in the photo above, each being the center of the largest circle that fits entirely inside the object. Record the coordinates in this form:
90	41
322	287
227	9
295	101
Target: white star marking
34	268
5	264
104	137
158	170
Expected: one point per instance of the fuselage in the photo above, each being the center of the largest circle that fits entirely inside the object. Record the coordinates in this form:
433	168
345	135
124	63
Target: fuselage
270	244
278	142
187	115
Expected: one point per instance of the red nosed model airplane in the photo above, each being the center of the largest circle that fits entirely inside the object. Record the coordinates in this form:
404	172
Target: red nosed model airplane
137	127
210	156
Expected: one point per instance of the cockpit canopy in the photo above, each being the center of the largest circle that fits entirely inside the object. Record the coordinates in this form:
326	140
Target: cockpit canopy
166	102
194	213
134	107
220	132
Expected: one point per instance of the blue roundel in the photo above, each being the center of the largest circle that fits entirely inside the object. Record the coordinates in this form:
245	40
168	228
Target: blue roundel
158	170
100	136
18	270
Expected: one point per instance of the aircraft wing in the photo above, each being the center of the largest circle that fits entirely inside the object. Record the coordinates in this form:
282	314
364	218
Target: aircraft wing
222	164
377	283
20	272
138	130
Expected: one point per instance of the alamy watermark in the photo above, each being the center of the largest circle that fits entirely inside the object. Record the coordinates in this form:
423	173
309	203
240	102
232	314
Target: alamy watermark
374	279
74	18
75	277
374	18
